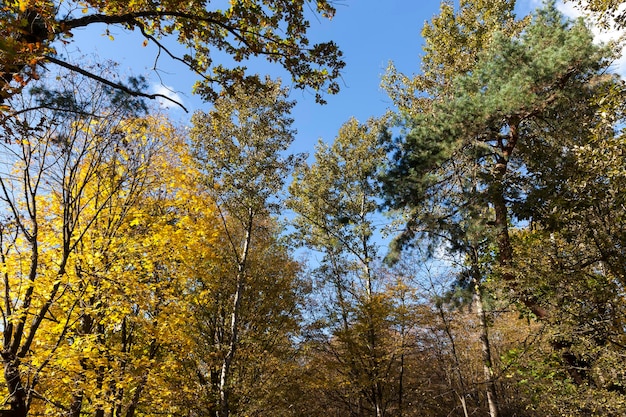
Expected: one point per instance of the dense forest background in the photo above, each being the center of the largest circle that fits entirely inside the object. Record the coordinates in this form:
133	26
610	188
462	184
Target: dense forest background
154	269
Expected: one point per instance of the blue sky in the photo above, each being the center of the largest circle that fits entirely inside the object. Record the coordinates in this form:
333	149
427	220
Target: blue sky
371	33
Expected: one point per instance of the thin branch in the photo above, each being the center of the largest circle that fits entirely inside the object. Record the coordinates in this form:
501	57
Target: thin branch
117	86
171	55
131	19
227	231
48	106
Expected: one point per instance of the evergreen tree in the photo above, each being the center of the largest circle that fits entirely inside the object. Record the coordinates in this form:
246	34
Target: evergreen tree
465	169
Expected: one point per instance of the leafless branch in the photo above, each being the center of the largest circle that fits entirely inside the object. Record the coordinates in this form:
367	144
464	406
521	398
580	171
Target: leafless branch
112	84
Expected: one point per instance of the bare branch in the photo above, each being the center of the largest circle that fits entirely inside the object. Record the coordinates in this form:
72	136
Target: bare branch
170	54
112	84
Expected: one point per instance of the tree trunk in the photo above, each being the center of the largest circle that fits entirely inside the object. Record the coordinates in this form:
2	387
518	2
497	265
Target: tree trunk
17	394
99	386
401	373
224	408
232	346
492	398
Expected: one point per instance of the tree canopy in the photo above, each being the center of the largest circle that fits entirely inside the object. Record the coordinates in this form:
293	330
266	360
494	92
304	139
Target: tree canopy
32	30
489	146
149	268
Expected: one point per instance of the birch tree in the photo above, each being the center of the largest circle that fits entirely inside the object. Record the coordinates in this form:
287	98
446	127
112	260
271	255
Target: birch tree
240	146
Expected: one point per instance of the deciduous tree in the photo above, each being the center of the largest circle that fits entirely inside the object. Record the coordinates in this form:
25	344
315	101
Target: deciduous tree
32	30
335	200
64	170
239	148
608	12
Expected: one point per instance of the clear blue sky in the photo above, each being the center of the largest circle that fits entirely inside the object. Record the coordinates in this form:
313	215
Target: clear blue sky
370	32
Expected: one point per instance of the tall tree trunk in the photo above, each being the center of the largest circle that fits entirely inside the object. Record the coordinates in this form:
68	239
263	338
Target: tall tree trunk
505	248
506	146
234	321
401	370
492	398
232	346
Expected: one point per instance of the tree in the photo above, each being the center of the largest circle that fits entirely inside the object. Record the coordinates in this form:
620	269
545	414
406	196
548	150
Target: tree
238	146
453	40
607	12
131	328
261	372
460	169
337	196
580	340
569	258
63	171
454	43
335	200
276	30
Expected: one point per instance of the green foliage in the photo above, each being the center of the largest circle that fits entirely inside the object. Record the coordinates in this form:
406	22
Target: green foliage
337	196
357	344
458	144
240	145
517	132
453	40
